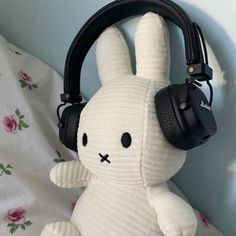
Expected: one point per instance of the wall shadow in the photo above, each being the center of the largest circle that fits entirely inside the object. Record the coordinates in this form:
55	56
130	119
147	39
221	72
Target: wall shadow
205	177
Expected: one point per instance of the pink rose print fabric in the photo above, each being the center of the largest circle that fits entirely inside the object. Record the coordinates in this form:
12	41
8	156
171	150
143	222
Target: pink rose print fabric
13	123
15	51
24	77
16	215
29	145
5	169
16	219
73	205
59	158
26	81
204	220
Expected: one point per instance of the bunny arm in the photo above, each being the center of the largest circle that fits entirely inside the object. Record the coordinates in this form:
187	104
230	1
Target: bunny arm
174	215
71	174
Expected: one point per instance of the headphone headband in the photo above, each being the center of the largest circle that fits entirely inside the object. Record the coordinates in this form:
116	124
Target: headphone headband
111	14
183	111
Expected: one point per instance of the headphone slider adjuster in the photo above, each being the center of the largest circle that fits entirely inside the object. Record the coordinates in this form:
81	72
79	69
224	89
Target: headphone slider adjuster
70	98
202	71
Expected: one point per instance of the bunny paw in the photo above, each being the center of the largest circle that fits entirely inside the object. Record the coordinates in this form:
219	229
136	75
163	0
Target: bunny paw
173	224
60	229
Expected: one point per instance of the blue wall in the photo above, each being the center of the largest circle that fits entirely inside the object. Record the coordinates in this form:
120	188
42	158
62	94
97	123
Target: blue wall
46	29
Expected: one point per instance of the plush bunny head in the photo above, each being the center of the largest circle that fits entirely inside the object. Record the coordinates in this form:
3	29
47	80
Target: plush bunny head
119	136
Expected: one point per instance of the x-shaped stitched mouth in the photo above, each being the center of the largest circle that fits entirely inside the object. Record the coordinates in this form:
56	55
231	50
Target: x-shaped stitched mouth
104	158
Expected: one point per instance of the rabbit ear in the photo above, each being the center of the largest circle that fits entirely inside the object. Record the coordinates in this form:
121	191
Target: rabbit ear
113	58
152	48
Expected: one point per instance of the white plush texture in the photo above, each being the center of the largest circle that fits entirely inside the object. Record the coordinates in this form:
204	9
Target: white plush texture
114	50
152	48
77	175
60	228
129	196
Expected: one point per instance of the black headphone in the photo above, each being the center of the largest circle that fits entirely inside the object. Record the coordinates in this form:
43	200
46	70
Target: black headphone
183	111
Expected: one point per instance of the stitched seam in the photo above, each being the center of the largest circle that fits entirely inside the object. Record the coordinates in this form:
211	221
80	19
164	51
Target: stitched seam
144	126
166	39
51	233
127	52
77	184
75	181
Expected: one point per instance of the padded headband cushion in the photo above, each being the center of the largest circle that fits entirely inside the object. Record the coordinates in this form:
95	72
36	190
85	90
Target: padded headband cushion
111	14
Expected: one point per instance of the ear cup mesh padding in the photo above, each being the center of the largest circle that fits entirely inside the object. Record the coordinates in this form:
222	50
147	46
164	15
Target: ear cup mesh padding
168	120
70	122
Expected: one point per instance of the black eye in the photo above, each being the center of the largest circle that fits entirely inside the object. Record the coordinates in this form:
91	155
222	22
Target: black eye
85	139
126	140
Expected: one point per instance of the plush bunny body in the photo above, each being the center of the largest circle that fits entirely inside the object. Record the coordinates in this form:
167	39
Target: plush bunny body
125	159
115	210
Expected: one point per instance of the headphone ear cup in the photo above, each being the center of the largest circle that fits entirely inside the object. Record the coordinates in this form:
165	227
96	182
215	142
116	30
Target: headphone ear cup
188	126
167	118
68	126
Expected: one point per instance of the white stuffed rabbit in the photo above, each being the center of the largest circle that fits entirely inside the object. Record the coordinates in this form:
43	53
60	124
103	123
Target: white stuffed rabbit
125	159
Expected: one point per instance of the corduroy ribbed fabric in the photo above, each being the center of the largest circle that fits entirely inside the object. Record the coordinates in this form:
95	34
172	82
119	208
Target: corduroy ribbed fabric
71	174
120	106
115	210
60	229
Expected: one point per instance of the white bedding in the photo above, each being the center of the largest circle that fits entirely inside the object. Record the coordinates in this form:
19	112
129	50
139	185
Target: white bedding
29	147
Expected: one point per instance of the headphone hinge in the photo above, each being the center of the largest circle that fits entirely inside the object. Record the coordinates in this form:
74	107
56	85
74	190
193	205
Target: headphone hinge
201	70
70	98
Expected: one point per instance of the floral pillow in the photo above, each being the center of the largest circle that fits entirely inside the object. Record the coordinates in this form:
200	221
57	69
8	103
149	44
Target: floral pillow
29	147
